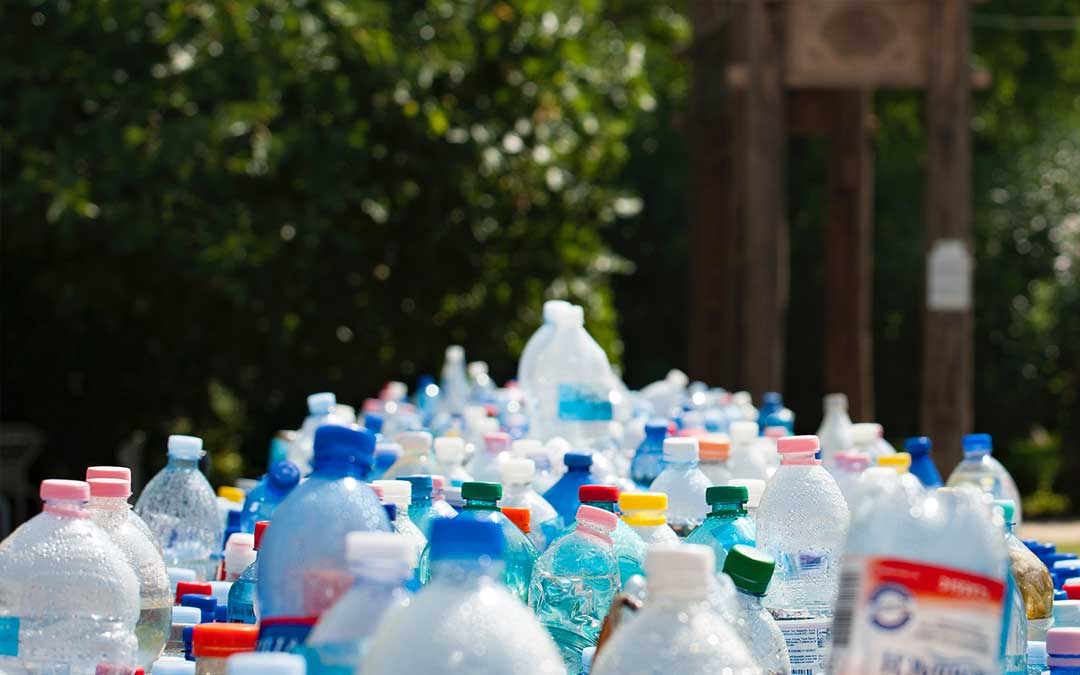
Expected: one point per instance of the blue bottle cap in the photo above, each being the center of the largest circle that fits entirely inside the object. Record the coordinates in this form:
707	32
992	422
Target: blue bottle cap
232	518
1039	548
577	459
186	615
772	398
421	485
173	666
391	511
335	443
206	604
977	443
917	446
424	381
221	614
466	539
1052	558
1060	595
657	426
373	423
283	476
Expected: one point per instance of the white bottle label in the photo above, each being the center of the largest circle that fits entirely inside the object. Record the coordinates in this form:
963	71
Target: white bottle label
808	643
902	616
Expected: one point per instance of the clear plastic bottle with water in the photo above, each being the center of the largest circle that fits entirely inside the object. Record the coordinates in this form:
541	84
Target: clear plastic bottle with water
464	622
416	459
320	411
647	458
270	491
543	475
980	469
485	462
746	460
109	509
684	484
646	514
302	566
399	493
180	508
574	583
678	630
835	430
727	523
182	617
243	601
69	600
802	523
422	509
517	479
454	383
629	546
450	456
1017	618
382	563
563	495
552	311
922	464
751	569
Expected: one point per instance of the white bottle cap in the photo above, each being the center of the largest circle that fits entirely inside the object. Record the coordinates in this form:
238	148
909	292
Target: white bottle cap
381	547
172	665
836	401
754	489
396	492
517	470
265	663
186	616
449	449
185	447
239	552
527	447
455	353
321	403
864	433
220	591
414	442
552	309
395	391
680	449
178	574
743	432
477	368
346	414
742	398
679	570
677	378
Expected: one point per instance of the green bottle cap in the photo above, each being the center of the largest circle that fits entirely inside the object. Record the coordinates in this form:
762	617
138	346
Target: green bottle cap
727	494
487	492
750	569
1009	508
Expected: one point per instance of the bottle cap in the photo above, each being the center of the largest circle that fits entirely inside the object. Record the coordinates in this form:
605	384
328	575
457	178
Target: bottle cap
714	448
186	616
396	492
553	308
452	495
185	447
221	640
64	490
742	431
283	475
643	501
1036	653
220	591
517	470
362	548
836	401
449	449
321	404
598	493
438	484
852	461
465	539
178	574
496	442
776	432
754	489
863	433
233	494
917	446
373	422
727	494
266	663
192	588
680	449
798	450
335	443
414	442
1063	645
487	492
386	453
455	353
656	426
519	517
239	552
422	485
679	570
1071	588
172	665
206	603
604	520
977	444
120	472
900	462
110	488
1067	613
578	460
750	569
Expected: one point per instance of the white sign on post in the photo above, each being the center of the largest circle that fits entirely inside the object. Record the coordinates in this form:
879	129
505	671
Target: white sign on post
948	276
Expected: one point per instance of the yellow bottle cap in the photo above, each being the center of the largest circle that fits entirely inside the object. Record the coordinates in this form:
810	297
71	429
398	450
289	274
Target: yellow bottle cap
643	508
901	462
233	494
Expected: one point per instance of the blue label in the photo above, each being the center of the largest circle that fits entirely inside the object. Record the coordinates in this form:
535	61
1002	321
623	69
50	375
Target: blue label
284	635
583	403
9	636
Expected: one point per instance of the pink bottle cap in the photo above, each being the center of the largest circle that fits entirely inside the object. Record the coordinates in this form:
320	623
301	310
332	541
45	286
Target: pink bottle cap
798	450
496	442
377	489
121	472
110	487
438	483
1063	647
66	490
606	520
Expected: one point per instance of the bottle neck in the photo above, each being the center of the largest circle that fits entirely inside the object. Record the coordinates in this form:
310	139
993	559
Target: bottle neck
607	506
466	572
66	508
749	600
727	510
183	463
593	531
108	504
680	464
481	505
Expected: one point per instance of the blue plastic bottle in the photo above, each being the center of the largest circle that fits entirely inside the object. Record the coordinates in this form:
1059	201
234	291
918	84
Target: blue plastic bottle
646	464
264	498
563	495
302	565
774	413
727	524
922	464
422	510
242	593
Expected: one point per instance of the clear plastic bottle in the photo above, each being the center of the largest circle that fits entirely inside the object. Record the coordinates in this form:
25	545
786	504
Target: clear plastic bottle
679	630
979	468
484	465
746	461
517	479
180	508
254	663
399	493
109	509
320	411
171	665
454	384
802	523
645	513
563	495
213	643
264	498
835	430
900	462
574	583
302	566
922	464
551	311
727	524
715	451
629	546
646	464
416	459
239	555
382	563
422	509
751	569
464	622
846	468
243	604
1016	610
684	484
450	455
68	598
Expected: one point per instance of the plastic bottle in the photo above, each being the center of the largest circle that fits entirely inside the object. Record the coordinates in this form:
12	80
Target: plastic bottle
399	493
469	623
243	607
180	508
802	523
484	465
715	450
1062	648
1036	657
574	583
563	495
239	555
170	665
386	454
751	570
1015	608
915	580
266	664
520	517
979	468
422	510
264	498
205	603
678	631
684	484
922	464
884	447
182	617
835	430
517	479
454	385
667	395
213	644
746	461
320	412
645	513
439	503
450	455
382	563
124	473
772	405
68	598
646	464
629	546
109	509
864	436
302	566
727	524
551	311
415	457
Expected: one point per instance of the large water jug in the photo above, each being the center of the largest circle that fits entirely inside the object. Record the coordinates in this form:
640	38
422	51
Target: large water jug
552	311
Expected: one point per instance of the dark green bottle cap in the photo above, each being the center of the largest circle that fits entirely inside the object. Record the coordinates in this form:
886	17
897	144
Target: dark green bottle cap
750	569
487	492
727	494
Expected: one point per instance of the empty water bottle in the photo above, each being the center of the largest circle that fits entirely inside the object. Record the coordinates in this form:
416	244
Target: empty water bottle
415	457
835	430
922	464
563	495
629	546
751	569
399	493
754	490
264	498
454	384
646	464
645	513
485	462
450	456
727	523
684	484
181	510
422	509
243	605
1016	611
517	480
773	413
980	469
552	311
386	454
715	450
320	412
746	460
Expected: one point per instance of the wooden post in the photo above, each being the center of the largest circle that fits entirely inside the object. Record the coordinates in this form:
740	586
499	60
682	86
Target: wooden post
849	344
947	361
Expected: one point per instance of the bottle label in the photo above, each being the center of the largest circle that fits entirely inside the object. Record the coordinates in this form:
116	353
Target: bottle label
808	644
584	403
9	636
284	634
901	616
